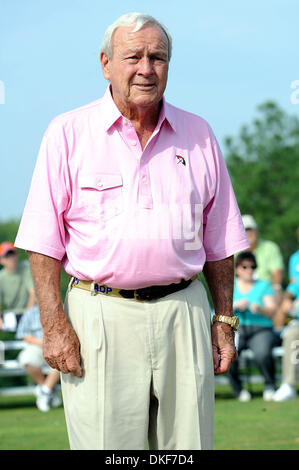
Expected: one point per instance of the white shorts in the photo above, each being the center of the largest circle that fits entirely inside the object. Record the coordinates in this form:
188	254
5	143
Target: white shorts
32	355
148	378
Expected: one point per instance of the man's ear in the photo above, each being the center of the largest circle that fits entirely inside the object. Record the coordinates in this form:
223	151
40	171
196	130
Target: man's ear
105	61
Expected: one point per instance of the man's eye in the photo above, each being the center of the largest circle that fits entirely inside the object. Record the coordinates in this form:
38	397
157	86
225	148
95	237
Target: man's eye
161	59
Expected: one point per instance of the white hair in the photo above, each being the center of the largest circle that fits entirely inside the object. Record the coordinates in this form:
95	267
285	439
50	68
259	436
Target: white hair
140	19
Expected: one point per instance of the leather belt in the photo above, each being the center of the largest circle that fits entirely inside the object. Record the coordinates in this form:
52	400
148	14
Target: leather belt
143	294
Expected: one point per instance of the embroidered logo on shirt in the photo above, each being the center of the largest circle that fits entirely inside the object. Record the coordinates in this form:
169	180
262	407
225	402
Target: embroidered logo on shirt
181	160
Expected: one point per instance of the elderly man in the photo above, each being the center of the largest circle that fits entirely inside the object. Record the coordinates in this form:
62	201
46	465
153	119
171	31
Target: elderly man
131	195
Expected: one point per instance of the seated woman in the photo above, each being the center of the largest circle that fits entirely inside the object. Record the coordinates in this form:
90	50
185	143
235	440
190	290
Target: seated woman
255	305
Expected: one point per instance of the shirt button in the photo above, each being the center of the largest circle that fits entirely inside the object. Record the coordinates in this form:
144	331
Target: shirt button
144	179
100	185
134	142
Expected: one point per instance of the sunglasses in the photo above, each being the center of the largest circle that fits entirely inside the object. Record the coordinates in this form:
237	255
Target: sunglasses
246	266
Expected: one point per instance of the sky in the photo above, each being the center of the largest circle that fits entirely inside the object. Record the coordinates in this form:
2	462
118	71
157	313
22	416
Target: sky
228	57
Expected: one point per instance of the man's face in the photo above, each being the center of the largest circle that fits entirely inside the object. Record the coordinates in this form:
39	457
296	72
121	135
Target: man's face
138	68
252	235
10	262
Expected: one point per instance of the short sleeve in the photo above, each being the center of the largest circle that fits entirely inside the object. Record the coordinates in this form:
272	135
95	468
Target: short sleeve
275	260
294	265
42	225
224	233
294	289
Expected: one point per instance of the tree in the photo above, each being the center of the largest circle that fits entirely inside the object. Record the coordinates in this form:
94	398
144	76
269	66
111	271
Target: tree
263	162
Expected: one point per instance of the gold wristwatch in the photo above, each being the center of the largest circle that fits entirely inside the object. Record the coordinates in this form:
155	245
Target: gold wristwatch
232	321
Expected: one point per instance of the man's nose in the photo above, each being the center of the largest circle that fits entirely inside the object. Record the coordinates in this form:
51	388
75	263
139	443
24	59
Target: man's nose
145	66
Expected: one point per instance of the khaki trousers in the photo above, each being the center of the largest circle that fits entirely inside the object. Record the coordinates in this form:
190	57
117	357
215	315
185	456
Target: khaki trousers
148	378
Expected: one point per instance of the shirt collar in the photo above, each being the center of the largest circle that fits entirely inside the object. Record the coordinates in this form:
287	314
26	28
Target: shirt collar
113	114
166	114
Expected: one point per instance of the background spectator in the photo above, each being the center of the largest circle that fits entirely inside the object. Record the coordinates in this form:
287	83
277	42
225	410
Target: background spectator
254	303
16	286
31	357
268	256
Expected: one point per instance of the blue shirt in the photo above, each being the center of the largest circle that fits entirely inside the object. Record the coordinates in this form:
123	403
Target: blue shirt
254	295
294	266
30	324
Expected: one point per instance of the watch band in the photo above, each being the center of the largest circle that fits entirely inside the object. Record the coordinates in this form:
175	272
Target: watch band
233	321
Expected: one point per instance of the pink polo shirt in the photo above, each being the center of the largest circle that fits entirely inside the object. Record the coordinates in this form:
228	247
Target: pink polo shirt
129	218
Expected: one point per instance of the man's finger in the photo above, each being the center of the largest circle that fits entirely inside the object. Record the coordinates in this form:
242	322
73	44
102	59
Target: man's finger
224	362
73	366
216	358
224	365
62	367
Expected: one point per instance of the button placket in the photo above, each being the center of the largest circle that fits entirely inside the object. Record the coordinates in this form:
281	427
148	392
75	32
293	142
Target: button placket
129	135
145	194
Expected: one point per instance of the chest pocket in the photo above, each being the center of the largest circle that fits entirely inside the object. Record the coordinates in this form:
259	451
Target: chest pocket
101	195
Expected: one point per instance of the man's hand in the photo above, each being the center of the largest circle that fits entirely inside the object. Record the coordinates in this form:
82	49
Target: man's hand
223	347
220	279
61	345
61	349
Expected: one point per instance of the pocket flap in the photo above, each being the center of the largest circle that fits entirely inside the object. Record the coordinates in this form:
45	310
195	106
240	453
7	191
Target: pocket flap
100	181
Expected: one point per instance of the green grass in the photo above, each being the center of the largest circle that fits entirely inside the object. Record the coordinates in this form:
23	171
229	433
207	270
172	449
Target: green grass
24	427
256	425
